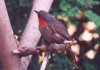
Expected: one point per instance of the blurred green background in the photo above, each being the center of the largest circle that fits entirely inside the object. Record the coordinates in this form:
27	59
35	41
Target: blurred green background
82	18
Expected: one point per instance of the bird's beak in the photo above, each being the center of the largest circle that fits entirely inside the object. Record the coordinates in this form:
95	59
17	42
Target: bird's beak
36	11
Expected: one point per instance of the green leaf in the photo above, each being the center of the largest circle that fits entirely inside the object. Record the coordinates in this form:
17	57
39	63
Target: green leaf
64	5
93	17
73	11
81	2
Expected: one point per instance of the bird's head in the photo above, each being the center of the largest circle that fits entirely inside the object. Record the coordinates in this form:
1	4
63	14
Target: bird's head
44	17
40	18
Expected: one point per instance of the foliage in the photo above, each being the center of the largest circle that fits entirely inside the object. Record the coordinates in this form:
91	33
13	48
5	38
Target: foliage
72	7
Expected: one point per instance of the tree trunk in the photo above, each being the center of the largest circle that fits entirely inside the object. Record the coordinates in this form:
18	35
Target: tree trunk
8	60
31	34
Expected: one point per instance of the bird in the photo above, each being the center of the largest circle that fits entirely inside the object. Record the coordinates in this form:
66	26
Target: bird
54	31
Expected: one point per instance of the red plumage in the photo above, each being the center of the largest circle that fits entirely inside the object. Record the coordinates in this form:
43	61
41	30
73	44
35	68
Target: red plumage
43	23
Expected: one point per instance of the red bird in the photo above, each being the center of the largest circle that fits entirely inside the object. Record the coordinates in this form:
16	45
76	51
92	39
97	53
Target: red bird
53	31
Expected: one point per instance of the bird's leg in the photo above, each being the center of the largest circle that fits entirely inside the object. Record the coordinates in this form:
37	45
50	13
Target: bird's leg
73	59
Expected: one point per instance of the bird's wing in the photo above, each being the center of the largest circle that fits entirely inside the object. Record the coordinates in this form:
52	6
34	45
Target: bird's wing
59	28
57	38
58	24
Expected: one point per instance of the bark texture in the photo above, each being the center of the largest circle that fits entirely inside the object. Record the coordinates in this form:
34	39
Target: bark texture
8	60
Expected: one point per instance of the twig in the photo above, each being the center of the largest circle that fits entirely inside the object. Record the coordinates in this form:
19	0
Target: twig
42	48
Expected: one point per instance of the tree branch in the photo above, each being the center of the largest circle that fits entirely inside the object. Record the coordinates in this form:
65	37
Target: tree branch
43	48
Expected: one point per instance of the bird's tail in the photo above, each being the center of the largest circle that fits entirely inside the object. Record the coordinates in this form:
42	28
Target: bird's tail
73	59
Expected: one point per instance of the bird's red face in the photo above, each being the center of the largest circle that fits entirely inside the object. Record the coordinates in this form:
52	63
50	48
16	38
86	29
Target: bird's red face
42	22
